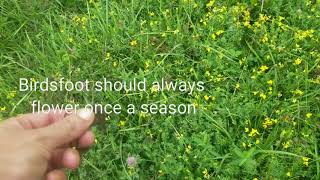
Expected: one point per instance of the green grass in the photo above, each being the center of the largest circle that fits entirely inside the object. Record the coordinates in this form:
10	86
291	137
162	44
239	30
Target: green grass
254	42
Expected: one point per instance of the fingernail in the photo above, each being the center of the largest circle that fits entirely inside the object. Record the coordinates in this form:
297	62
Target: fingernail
85	114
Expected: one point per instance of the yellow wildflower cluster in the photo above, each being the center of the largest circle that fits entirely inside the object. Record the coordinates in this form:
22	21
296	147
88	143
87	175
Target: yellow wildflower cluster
107	56
81	21
253	132
210	3
298	92
147	65
93	40
263	96
280	23
301	35
11	94
265	38
305	161
219	78
297	62
268	122
214	35
205	173
188	148
179	136
154	89
308	115
208	98
247	18
263	68
3	108
286	144
262	19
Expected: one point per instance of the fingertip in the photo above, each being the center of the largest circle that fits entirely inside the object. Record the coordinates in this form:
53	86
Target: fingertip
86	114
56	175
66	130
71	159
86	140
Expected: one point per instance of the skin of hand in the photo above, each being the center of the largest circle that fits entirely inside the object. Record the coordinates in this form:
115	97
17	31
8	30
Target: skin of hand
37	146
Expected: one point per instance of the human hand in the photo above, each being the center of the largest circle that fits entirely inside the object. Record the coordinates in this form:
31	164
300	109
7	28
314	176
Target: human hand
37	146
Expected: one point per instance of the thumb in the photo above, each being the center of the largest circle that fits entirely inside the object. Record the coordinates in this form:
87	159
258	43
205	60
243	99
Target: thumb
66	130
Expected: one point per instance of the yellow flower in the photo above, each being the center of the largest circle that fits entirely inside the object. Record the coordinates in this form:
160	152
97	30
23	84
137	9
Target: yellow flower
308	115
242	61
247	24
176	31
122	123
253	132
268	122
84	20
270	82
147	64
3	108
264	39
207	73
179	136
196	104
264	68
213	36
205	174
151	14
206	97
286	145
219	32
244	144
70	39
257	141
305	161
133	43
188	149
289	174
300	34
298	92
238	86
297	61
263	17
154	89
108	56
263	96
11	94
76	19
210	3
195	5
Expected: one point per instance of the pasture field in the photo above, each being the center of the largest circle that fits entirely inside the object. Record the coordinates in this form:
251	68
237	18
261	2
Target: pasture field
258	116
